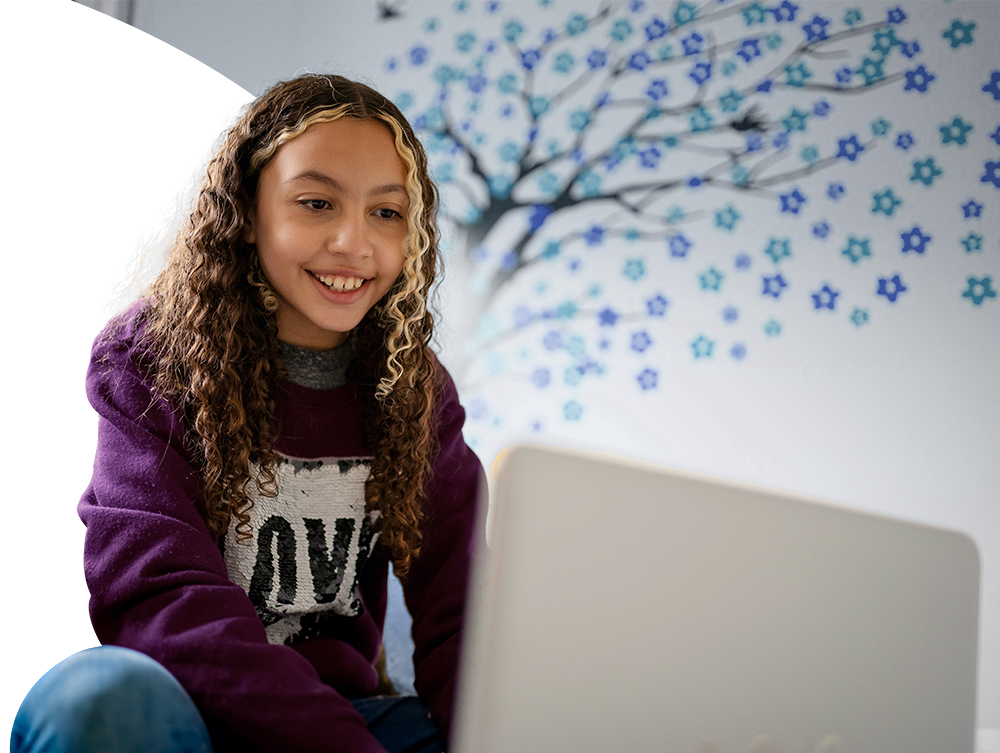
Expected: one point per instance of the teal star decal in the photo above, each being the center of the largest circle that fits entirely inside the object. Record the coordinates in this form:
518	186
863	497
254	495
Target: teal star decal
551	250
675	215
755	14
979	289
541	288
730	101
885	202
711	279
925	171
778	249
772	328
955	131
884	40
727	217
700	120
871	70
880	127
859	317
795	120
973	242
635	269
797	75
857	249
632	235
852	17
702	347
740	175
959	33
809	153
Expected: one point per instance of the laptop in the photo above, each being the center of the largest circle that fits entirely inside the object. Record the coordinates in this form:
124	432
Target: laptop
623	606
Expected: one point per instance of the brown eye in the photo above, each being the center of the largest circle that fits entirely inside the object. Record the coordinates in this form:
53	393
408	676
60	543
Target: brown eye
315	204
388	214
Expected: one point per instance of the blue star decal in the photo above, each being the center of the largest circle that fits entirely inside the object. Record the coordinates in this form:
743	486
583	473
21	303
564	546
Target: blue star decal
825	298
890	287
657	305
993	85
915	240
647	379
821	229
816	29
541	378
971	209
749	49
640	341
792	202
743	262
835	191
996	135
607	317
904	140
844	76
594	235
773	286
764	87
896	16
738	351
821	108
679	246
701	72
918	79
849	148
992	173
909	49
979	289
692	43
730	315
702	347
785	12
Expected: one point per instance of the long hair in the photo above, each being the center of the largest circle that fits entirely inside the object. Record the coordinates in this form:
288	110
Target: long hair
212	323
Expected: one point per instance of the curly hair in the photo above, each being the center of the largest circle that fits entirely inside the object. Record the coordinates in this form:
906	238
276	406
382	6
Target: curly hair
212	323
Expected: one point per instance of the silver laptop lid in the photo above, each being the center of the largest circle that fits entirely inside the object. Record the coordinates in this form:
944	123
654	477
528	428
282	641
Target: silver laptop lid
627	607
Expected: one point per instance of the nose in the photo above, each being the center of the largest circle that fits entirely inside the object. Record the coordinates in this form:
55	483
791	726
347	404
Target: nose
349	235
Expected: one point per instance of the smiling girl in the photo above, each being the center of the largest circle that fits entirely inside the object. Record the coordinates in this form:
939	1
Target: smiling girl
274	430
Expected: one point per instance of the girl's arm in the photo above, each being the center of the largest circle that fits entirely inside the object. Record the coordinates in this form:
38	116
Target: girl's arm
435	590
158	582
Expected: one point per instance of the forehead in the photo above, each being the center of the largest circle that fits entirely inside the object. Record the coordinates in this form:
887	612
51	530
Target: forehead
362	150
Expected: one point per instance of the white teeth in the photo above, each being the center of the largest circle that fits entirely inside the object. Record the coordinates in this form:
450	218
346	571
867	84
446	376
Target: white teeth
341	284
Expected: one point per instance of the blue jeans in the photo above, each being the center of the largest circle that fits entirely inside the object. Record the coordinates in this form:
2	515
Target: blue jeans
114	700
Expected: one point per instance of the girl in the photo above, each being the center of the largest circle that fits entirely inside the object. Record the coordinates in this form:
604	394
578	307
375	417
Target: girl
274	429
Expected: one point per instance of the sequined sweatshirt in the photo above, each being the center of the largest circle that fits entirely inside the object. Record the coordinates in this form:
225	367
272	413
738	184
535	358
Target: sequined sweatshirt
268	639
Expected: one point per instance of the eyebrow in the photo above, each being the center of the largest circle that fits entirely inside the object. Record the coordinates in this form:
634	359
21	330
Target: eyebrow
315	175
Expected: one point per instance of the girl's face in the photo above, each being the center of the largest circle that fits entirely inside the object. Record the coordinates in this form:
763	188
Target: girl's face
329	223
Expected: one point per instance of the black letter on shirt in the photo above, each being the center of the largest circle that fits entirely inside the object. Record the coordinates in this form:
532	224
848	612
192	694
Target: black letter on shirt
263	570
328	570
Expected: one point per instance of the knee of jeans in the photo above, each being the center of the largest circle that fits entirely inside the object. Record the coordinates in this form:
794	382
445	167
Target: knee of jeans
102	678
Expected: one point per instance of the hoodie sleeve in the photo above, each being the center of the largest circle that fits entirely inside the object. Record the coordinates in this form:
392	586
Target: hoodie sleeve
435	590
159	585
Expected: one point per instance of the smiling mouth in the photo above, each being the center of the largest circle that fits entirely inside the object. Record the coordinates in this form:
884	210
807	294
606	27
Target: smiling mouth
340	284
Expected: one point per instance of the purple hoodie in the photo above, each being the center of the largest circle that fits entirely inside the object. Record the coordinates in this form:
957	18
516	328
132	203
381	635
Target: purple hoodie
159	581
